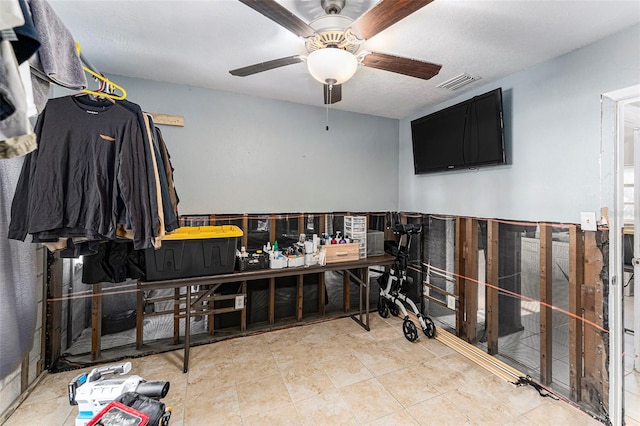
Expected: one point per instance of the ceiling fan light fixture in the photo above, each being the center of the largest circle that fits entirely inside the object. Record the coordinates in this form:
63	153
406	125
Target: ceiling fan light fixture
330	64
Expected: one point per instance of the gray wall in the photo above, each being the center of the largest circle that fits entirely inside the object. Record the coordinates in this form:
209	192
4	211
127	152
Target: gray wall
552	124
243	154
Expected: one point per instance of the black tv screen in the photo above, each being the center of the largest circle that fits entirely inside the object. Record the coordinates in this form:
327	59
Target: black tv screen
467	135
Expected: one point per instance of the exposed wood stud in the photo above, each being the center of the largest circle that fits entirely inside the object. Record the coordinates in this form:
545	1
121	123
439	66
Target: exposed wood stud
461	241
96	321
243	312
471	285
176	313
245	230
346	288
54	321
493	228
24	373
576	264
546	292
300	294
595	380
272	300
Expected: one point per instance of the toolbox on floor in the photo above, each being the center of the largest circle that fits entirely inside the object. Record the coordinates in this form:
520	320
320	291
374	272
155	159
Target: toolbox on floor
194	252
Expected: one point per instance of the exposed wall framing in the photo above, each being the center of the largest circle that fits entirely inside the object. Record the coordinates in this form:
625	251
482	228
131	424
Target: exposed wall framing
585	316
586	311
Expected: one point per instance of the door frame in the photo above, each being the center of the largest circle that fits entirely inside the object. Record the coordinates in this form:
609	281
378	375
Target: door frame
611	190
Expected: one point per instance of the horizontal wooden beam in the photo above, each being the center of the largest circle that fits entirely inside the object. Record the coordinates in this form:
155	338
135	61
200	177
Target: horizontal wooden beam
167	120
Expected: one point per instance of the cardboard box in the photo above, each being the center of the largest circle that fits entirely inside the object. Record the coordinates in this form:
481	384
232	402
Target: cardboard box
341	252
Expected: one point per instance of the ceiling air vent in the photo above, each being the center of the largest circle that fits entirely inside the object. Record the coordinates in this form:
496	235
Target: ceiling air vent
458	81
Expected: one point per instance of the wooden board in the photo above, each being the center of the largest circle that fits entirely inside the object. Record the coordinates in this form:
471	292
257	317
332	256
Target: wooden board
167	120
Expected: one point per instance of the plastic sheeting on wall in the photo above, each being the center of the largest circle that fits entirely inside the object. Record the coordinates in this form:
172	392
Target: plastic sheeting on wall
17	279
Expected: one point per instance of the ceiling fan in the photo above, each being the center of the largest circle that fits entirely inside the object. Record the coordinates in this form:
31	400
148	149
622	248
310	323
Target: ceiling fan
333	41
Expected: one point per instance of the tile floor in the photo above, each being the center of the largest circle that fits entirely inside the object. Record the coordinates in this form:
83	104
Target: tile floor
327	373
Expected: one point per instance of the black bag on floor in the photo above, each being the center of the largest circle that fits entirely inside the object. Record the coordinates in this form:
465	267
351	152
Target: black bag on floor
156	410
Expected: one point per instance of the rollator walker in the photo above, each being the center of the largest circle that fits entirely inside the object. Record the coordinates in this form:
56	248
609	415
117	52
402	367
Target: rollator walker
393	295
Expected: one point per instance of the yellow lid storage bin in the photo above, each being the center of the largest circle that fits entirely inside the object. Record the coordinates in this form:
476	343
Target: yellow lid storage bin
204	232
194	252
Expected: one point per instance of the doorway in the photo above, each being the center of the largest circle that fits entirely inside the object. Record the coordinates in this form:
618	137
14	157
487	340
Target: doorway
615	105
631	210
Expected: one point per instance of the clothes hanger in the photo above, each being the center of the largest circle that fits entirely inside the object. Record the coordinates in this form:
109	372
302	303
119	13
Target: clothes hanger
107	87
110	86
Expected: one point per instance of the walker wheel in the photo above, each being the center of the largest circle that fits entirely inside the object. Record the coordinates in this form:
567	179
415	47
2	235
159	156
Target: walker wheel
430	330
393	308
383	307
409	329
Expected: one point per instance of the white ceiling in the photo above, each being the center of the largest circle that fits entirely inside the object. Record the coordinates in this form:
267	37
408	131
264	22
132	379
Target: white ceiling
197	42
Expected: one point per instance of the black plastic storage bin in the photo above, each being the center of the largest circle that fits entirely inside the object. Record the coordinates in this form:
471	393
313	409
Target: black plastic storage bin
194	252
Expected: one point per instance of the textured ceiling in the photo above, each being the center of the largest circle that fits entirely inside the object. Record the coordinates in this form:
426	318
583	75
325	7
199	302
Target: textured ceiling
197	42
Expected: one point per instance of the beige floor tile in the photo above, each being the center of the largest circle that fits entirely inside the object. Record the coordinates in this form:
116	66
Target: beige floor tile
254	348
386	332
221	405
306	381
413	353
560	413
276	336
402	417
261	395
217	373
407	387
480	406
356	343
342	326
369	400
632	383
438	411
219	351
628	421
337	373
346	371
53	386
519	399
632	406
212	418
315	333
247	369
442	378
279	416
327	408
52	412
436	347
380	358
200	396
331	349
465	366
519	421
294	353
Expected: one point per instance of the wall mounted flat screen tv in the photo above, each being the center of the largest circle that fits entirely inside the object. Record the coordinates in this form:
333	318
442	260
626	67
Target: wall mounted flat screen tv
467	135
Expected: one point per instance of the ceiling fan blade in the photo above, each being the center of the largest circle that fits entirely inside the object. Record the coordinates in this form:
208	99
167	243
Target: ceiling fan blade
334	96
383	15
400	65
280	15
266	66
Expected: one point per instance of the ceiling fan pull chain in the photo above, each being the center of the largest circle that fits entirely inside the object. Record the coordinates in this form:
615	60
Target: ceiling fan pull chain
326	120
329	87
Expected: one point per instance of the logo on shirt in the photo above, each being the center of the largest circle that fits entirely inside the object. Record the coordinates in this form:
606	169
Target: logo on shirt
107	138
